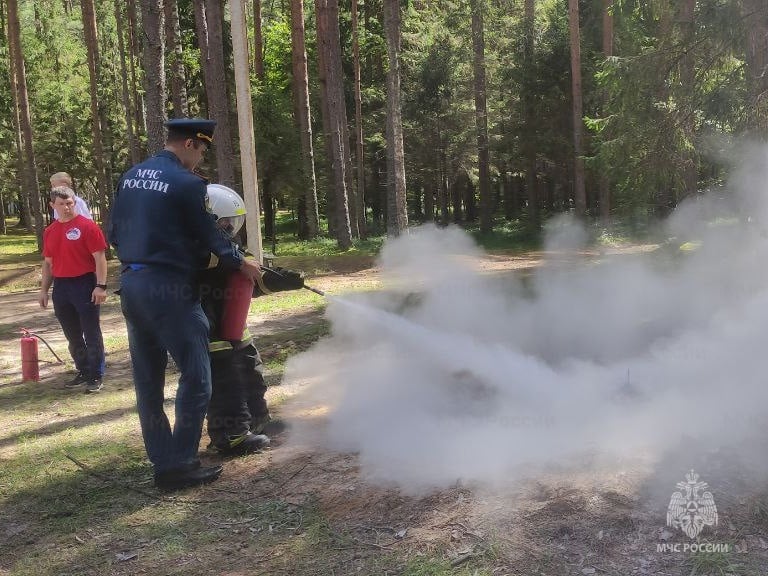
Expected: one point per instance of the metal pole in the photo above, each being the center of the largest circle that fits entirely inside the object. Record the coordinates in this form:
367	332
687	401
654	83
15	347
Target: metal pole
245	128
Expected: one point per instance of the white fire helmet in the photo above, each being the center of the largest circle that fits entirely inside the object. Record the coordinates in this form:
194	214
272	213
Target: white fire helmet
225	203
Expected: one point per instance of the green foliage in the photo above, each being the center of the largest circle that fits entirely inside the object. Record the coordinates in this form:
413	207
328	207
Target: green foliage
646	119
277	139
640	135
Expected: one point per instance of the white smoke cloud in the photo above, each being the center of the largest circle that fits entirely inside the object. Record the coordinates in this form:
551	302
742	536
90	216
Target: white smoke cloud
449	374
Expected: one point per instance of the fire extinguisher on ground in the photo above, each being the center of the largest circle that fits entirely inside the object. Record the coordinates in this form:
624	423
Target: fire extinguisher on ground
30	362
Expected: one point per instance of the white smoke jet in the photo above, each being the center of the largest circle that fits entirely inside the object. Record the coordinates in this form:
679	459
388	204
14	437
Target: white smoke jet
450	374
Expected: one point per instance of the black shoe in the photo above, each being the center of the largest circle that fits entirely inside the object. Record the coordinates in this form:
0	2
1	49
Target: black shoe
187	476
93	386
77	381
247	443
268	425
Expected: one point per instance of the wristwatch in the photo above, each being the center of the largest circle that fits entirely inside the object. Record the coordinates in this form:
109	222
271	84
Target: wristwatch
102	286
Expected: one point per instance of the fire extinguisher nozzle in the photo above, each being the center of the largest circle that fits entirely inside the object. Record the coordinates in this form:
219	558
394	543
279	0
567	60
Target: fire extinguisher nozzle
315	290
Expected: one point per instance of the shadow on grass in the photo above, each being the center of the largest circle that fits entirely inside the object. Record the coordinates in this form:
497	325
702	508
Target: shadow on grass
72	522
42	513
56	427
9	276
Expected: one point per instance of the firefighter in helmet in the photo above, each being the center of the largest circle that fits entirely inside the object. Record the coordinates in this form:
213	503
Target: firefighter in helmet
238	416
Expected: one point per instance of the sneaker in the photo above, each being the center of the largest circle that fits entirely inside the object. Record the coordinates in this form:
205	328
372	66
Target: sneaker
93	386
247	443
77	381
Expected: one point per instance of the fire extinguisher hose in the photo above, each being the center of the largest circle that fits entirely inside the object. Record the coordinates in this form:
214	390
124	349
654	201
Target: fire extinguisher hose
26	332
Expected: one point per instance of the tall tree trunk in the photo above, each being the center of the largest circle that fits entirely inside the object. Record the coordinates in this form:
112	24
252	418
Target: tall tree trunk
508	193
134	51
328	41
311	218
208	19
481	116
3	223
322	27
755	13
176	58
397	215
604	183
339	116
133	144
443	199
25	121
349	172
21	196
607	28
269	208
579	190
429	199
377	199
456	197
258	40
529	114
359	154
688	84
154	73
25	218
2	21
468	190
92	47
418	214
665	192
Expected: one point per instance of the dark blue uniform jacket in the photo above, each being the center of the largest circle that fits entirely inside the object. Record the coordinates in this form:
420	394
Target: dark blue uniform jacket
159	218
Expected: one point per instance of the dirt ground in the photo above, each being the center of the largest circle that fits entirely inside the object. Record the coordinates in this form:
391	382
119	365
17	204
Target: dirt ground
601	520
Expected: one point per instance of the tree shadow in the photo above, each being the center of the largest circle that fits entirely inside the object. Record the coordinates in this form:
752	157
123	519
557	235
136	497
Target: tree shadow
56	427
8	276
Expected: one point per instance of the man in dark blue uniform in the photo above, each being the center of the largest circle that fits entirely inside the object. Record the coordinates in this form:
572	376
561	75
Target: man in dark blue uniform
159	225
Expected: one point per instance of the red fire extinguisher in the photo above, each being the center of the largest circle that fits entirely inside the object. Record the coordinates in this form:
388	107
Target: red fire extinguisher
30	362
237	302
30	366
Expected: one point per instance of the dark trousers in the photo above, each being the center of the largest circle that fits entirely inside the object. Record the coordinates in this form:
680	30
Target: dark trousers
79	319
163	315
238	393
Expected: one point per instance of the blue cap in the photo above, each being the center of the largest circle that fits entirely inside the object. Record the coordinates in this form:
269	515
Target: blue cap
199	128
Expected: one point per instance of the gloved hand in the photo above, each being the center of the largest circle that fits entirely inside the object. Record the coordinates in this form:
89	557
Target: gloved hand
281	279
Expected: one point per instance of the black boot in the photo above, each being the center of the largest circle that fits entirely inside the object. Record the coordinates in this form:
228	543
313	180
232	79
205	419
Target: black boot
187	476
265	424
247	443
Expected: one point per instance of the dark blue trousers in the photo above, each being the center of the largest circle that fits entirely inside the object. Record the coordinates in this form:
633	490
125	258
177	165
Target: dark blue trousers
163	315
79	319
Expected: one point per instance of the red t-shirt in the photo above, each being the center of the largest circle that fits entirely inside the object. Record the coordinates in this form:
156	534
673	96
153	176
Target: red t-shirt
71	246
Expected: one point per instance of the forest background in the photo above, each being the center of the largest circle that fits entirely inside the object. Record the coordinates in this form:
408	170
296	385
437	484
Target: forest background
370	115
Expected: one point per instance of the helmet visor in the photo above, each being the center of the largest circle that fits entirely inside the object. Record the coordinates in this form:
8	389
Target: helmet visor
231	224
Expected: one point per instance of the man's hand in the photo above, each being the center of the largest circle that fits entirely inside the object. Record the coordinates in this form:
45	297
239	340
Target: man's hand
98	296
42	298
251	269
280	279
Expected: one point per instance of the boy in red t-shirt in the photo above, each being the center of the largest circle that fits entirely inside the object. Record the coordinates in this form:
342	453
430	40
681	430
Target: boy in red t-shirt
74	261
